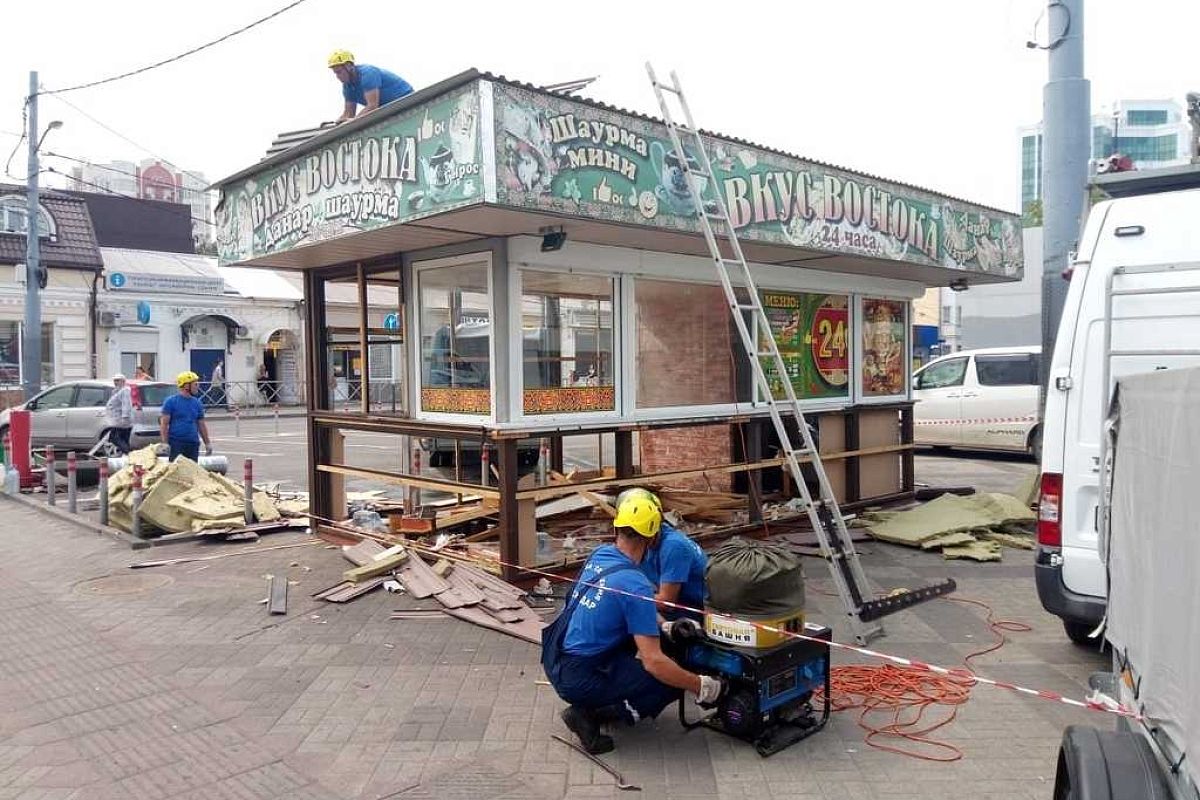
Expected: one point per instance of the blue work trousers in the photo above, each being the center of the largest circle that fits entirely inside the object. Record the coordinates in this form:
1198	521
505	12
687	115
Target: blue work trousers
618	680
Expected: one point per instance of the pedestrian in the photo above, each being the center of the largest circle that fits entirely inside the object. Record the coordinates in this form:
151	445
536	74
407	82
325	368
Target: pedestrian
264	384
217	385
365	85
674	564
602	654
119	409
182	426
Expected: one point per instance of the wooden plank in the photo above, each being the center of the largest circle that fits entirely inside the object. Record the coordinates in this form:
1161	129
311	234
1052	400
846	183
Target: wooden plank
362	553
420	580
488	581
563	505
529	630
458	518
278	595
350	591
464	588
407	480
561	490
376	567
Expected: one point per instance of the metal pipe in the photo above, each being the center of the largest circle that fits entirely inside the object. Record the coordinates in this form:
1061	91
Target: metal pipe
414	493
484	465
135	526
219	464
51	475
103	489
237	422
72	484
248	489
277	419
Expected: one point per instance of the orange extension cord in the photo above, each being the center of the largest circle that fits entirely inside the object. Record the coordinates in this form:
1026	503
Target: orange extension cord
903	696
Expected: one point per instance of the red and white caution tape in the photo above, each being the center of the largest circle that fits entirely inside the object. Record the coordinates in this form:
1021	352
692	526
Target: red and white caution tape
1105	705
980	421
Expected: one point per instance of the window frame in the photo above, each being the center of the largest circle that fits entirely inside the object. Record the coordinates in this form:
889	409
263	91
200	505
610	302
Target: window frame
43	213
516	344
986	358
961	380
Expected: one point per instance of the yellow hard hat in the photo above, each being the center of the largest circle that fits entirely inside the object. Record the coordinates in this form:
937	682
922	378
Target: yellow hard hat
339	57
184	378
638	491
640	512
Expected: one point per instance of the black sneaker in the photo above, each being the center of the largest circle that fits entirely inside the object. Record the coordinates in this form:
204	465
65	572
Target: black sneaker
583	723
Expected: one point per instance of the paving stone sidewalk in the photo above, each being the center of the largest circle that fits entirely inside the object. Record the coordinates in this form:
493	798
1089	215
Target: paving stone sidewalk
174	682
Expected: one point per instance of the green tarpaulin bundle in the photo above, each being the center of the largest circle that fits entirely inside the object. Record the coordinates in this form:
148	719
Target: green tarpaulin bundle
748	577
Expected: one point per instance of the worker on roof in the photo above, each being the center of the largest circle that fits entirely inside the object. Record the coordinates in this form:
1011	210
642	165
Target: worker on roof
674	564
602	654
365	85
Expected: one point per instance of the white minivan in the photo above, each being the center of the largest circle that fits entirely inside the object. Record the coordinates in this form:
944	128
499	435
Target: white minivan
1133	306
980	399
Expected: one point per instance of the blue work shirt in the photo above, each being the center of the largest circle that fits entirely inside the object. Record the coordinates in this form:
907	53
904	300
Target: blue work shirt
677	559
390	85
184	412
602	619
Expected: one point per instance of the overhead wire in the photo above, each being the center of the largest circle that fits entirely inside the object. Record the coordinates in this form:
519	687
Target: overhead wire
195	175
106	190
21	138
172	59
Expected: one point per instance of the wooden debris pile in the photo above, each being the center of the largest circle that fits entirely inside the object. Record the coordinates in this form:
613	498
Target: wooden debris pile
462	589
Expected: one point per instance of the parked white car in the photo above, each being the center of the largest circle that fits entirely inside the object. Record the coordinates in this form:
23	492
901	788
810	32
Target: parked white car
72	416
980	399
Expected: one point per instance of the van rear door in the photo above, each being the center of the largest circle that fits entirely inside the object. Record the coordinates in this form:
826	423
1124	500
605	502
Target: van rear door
1155	326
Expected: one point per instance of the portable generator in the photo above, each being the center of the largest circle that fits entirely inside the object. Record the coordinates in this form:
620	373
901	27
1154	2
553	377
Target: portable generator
768	701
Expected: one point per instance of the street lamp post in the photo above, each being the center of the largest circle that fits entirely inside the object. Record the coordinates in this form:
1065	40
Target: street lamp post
31	333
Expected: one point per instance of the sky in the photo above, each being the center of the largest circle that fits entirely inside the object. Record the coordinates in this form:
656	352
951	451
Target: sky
928	92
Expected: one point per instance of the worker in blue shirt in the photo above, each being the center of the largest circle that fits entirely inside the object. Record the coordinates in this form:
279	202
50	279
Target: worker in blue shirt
181	423
602	654
365	85
675	565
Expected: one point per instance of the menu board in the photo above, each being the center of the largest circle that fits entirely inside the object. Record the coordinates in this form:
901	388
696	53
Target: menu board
812	332
883	363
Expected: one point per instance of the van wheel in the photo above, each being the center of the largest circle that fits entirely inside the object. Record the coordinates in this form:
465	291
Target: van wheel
1107	765
1078	632
1035	444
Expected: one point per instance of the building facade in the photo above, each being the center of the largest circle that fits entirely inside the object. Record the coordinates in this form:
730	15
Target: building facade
152	179
71	258
1153	133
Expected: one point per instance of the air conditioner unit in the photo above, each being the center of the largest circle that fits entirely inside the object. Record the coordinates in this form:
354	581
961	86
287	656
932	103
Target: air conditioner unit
108	319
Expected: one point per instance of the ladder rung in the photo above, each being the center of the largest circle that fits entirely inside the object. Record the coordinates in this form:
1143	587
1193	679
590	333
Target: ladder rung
748	306
716	215
699	172
668	88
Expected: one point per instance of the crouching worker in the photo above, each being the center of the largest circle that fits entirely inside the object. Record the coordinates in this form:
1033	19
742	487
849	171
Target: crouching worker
602	653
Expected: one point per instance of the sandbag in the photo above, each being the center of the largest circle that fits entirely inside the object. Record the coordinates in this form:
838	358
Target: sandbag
749	577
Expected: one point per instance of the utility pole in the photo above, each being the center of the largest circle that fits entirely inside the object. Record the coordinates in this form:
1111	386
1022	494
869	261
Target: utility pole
1067	148
31	333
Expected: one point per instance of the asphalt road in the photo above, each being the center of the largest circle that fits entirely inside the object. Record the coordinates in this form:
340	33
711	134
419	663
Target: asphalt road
281	455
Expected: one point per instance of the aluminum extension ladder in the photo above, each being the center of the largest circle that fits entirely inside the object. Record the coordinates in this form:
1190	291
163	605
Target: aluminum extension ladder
823	512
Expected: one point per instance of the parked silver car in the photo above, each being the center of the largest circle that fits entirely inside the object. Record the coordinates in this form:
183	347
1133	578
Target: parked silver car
71	416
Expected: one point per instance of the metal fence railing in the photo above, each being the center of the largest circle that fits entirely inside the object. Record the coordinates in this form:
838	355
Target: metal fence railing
251	398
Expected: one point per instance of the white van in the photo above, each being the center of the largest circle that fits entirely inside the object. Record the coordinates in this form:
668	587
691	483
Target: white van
1142	255
980	399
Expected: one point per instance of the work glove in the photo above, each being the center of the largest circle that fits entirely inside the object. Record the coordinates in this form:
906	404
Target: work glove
680	630
711	690
208	449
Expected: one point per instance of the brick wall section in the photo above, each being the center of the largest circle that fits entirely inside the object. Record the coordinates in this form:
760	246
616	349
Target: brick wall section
684	340
688	448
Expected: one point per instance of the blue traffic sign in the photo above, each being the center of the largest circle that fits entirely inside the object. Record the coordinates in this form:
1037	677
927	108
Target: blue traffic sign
392	322
116	280
143	312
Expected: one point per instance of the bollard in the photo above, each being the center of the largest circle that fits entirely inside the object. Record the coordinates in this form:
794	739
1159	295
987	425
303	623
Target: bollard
414	492
51	475
277	419
237	422
248	489
485	465
103	489
135	526
72	484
